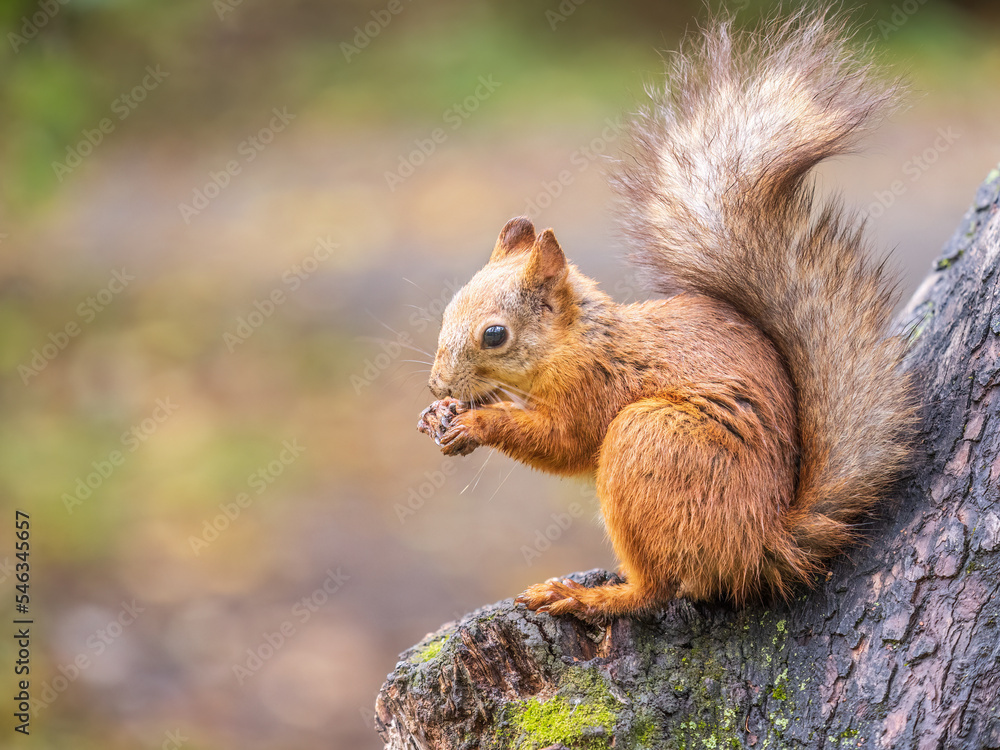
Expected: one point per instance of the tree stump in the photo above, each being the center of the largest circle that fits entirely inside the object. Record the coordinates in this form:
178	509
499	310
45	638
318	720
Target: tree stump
899	646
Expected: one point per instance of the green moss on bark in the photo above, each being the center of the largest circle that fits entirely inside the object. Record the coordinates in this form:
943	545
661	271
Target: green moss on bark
581	715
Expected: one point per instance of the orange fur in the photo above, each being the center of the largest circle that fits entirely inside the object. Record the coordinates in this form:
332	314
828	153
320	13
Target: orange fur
737	429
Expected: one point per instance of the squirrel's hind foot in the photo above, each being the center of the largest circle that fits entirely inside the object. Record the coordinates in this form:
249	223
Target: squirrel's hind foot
557	597
598	605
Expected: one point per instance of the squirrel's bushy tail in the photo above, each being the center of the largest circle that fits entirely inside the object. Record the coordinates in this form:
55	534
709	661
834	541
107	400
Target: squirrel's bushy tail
716	201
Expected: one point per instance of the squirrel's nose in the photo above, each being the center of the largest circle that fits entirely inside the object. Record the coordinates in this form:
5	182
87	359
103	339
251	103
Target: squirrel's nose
437	386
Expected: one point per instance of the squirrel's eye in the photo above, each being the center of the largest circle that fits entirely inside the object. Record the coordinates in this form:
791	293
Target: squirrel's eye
494	336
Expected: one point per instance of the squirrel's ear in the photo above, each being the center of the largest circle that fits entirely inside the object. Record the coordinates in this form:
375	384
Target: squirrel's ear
547	258
517	236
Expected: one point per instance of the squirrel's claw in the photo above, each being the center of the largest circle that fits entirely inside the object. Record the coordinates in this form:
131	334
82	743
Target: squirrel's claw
556	596
442	421
537	597
456	440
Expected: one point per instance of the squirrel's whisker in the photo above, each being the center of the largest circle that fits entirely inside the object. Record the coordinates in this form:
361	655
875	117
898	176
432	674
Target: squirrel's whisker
502	482
474	482
399	336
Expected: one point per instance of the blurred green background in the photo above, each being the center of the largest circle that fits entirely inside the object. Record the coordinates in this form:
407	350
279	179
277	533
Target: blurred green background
235	527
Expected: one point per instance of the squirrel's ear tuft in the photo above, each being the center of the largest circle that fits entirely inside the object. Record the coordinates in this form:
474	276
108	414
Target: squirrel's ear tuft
547	258
517	236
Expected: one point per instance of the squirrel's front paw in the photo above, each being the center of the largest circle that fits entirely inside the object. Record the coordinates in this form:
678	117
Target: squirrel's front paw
456	439
444	422
434	420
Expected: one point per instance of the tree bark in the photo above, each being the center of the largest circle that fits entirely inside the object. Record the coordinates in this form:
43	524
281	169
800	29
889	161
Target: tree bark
899	647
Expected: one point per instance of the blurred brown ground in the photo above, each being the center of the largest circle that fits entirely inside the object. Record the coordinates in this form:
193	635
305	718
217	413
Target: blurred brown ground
230	639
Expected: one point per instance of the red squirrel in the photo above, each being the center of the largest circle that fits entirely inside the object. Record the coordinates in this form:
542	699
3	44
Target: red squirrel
738	427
